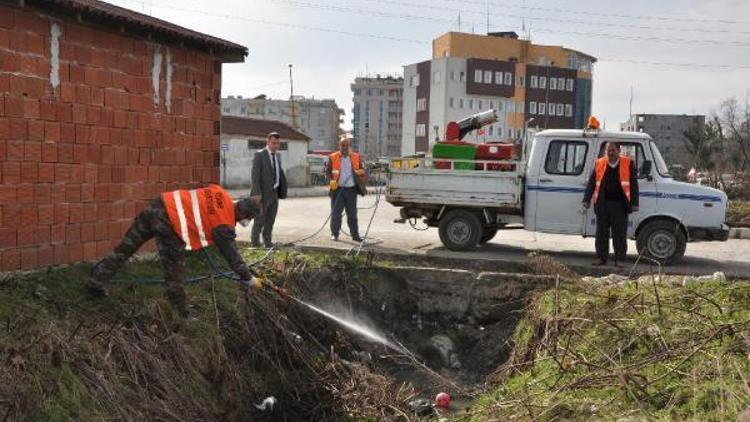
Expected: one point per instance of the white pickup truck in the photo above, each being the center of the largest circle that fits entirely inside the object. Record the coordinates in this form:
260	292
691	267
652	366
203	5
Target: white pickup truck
544	193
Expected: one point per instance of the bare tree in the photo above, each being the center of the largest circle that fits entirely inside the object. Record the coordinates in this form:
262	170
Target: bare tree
736	119
706	144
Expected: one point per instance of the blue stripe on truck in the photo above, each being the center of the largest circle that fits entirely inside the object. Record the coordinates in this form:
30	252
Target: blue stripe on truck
660	195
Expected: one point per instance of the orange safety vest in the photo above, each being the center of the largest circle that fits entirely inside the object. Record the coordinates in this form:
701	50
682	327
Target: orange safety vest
601	168
336	167
195	213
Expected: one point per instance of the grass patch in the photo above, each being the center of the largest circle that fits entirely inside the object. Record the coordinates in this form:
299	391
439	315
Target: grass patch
627	351
738	213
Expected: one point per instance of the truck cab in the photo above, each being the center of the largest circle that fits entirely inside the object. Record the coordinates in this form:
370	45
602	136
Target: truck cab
671	213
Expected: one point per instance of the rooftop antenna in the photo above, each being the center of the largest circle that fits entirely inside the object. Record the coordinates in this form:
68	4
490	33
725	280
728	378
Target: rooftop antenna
459	21
488	18
631	103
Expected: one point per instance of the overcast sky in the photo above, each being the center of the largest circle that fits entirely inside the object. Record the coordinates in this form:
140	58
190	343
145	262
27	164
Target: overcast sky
330	42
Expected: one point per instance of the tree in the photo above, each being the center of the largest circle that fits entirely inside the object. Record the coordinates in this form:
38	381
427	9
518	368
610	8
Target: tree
706	143
736	119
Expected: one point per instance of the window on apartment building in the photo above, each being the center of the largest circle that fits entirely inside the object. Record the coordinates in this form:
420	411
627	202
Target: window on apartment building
532	107
542	109
226	110
552	83
462	77
520	106
542	82
534	81
421	104
243	110
499	106
453	75
570	84
490	130
460	103
413	81
479	105
436	77
560	109
499	78
471	104
421	130
510	132
508	78
357	91
561	84
488	76
478	76
551	109
568	110
522	81
450	102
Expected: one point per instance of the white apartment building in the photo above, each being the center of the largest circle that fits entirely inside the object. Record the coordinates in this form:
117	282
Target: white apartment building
435	93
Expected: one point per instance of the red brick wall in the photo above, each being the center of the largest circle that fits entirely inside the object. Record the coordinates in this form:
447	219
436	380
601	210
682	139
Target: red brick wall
79	161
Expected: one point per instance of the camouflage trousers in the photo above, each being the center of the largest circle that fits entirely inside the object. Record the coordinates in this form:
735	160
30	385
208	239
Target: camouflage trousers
152	222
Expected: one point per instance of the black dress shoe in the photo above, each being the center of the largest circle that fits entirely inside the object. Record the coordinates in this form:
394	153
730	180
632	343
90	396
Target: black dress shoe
599	263
356	238
334	238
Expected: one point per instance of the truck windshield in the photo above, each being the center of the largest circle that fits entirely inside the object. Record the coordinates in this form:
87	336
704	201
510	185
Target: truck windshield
659	163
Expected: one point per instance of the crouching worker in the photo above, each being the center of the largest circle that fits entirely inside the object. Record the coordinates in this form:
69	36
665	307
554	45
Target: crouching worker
179	221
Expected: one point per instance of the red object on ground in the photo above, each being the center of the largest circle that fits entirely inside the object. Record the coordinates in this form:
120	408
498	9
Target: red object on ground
443	400
496	151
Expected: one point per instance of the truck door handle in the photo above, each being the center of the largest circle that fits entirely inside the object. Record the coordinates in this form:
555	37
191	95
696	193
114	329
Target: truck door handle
545	180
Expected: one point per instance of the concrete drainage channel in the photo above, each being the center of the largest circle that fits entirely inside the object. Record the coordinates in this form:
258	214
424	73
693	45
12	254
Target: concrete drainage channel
457	322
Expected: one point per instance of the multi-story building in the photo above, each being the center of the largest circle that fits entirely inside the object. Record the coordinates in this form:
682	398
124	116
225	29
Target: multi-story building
527	84
318	119
377	114
668	131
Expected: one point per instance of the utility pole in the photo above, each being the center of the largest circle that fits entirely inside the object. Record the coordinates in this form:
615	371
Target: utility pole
293	112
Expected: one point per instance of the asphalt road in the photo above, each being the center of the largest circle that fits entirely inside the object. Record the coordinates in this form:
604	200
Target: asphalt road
302	217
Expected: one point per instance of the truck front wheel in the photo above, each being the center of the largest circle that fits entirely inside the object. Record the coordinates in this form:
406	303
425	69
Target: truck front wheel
663	241
460	230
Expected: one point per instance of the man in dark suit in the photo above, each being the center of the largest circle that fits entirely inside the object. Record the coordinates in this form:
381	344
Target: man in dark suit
613	188
268	181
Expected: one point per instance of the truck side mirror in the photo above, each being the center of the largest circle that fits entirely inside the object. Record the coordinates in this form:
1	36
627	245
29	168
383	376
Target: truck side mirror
646	170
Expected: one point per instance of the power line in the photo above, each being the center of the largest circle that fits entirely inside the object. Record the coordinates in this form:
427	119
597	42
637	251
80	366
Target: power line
367	12
412	41
611	15
570	21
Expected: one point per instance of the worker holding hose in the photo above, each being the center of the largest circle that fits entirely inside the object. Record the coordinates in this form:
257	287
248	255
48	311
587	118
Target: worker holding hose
179	221
346	174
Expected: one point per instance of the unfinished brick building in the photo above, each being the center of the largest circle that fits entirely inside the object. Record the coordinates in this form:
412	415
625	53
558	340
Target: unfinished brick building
101	109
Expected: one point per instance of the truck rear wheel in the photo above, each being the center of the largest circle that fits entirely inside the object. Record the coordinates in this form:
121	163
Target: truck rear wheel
487	235
460	230
663	241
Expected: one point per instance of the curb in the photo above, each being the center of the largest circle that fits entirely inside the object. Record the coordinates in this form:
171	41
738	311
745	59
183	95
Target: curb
739	233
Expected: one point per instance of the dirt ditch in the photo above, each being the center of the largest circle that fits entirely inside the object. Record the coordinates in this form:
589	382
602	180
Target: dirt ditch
458	323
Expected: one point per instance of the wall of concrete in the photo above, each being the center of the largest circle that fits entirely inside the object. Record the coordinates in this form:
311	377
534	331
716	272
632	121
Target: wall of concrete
93	125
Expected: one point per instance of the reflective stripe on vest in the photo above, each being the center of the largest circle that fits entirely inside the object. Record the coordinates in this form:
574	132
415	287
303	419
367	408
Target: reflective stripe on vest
336	164
601	168
195	213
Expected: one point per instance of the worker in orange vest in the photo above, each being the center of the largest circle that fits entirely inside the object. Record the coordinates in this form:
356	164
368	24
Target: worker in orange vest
179	221
346	174
613	189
